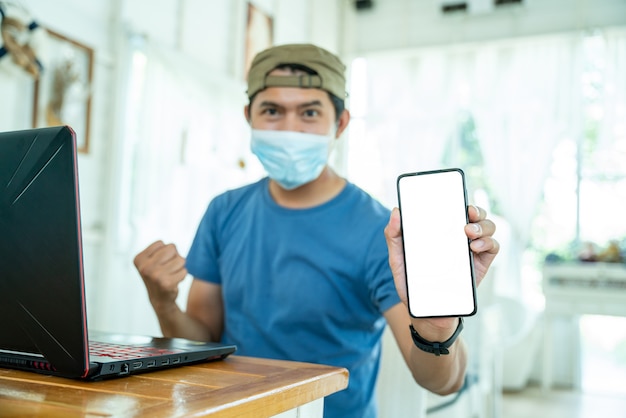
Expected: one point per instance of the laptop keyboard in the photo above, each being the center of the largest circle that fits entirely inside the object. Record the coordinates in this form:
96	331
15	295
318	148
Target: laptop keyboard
125	352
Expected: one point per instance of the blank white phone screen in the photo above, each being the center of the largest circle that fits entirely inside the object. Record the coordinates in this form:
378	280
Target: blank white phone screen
438	261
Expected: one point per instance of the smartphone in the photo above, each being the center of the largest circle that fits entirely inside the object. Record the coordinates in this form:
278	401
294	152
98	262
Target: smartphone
438	262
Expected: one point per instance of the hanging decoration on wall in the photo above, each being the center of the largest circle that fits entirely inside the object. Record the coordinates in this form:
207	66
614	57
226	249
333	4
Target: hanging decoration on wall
259	34
63	91
21	41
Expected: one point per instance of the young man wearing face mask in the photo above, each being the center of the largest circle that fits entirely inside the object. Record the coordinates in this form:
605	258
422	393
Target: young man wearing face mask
297	265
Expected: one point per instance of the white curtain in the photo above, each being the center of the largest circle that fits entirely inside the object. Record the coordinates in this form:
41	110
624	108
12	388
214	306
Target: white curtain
524	96
191	137
528	100
400	123
613	126
185	140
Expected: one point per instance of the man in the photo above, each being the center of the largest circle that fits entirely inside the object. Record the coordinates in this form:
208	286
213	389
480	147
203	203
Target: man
297	266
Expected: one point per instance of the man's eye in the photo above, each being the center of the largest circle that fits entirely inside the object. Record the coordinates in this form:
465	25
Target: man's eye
270	111
310	113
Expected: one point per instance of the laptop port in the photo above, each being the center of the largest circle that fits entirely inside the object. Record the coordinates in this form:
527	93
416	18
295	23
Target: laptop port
165	362
151	363
176	360
137	365
125	368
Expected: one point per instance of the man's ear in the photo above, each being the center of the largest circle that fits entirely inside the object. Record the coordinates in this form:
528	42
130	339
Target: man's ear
343	122
246	113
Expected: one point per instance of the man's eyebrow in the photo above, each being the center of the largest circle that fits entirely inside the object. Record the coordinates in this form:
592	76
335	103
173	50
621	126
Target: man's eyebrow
311	103
267	103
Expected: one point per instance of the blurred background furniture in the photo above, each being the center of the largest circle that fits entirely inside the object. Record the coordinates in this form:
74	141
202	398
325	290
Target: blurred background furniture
574	289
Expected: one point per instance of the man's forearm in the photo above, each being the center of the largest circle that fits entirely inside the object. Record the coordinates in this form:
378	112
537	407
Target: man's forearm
442	375
178	324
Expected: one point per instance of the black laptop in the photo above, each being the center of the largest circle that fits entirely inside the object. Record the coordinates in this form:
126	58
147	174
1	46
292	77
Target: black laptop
43	323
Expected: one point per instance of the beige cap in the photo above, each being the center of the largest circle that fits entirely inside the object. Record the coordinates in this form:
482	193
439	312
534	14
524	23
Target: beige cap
329	68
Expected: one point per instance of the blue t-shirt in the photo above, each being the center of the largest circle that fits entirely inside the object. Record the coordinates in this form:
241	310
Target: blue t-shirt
302	284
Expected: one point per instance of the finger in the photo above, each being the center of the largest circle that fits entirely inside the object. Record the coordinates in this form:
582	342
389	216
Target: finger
171	278
484	228
392	230
393	236
153	248
487	245
173	266
165	253
476	213
141	258
151	262
167	274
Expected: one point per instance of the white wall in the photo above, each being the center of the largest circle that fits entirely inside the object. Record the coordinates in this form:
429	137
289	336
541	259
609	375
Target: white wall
401	24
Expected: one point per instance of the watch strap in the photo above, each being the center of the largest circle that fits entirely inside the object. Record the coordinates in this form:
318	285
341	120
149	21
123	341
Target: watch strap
436	348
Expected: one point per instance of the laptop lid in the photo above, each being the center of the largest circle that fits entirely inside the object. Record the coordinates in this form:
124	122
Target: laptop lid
42	291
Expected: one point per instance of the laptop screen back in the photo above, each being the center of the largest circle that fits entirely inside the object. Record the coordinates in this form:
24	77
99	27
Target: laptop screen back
41	287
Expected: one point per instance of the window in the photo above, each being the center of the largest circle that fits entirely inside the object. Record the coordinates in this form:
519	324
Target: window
463	150
582	211
584	195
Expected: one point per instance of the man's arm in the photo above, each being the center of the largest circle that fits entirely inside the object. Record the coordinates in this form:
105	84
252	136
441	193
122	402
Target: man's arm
439	374
162	269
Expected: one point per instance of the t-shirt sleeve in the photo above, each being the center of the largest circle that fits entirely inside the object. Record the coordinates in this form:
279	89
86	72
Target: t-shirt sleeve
202	258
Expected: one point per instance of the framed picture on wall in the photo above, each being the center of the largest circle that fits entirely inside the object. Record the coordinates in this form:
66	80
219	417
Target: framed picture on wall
63	89
259	34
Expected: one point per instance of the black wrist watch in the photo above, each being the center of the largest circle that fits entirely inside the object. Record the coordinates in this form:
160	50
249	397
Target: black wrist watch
436	348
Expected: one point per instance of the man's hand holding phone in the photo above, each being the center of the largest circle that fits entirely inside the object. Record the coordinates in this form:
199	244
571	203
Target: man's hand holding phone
478	230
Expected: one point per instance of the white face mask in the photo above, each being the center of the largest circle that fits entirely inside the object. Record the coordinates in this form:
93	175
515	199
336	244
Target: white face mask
291	158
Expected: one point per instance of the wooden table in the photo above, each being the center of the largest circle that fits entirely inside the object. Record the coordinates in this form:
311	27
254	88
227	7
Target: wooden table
235	387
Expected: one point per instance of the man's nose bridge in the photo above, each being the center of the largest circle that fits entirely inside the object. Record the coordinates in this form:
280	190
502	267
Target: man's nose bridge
291	122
